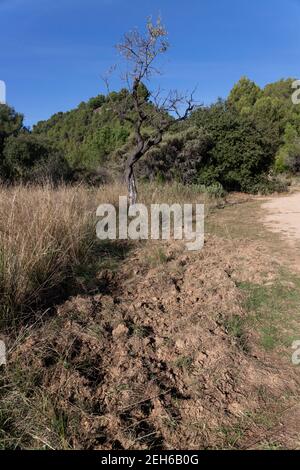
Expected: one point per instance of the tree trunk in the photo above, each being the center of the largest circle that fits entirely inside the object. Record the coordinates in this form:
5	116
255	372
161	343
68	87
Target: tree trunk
131	185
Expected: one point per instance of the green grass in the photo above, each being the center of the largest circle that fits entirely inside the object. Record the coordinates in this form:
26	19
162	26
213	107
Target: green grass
231	436
223	222
60	425
235	326
273	309
184	362
157	257
269	446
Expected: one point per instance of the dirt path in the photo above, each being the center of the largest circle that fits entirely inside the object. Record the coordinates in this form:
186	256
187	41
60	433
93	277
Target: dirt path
283	216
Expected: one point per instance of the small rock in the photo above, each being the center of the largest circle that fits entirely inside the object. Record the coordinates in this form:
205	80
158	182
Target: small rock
120	330
179	344
288	284
234	408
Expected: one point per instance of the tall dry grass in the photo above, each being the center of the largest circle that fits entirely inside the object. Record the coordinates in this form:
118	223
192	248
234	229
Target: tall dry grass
45	232
47	237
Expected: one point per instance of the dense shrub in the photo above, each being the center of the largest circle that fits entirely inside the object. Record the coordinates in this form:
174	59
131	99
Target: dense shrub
178	157
11	123
267	185
87	135
32	158
239	150
288	156
215	190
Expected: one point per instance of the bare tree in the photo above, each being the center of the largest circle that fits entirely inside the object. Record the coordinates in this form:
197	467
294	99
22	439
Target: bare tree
151	114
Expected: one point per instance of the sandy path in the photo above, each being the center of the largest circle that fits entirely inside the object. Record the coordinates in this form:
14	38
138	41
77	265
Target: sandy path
283	216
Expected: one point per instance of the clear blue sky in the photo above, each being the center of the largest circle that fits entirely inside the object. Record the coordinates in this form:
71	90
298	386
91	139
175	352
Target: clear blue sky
53	52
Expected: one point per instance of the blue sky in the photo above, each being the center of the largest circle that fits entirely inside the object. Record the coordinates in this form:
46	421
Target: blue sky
53	52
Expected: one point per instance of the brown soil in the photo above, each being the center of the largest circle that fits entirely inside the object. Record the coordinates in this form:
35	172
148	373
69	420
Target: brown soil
283	216
151	363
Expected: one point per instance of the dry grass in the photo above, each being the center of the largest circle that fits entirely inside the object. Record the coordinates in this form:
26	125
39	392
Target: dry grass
44	233
174	193
47	232
47	244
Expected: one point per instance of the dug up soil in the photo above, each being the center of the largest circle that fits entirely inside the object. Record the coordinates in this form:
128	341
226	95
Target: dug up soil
150	363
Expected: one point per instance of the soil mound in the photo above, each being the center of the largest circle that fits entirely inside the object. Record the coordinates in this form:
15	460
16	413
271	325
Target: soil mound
152	362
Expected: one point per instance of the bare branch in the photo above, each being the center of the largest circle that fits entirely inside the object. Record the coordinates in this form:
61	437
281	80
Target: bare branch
140	52
151	114
106	77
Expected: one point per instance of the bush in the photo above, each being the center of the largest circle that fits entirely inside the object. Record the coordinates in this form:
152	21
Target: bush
288	157
28	157
178	157
87	135
267	185
216	190
11	123
238	152
54	168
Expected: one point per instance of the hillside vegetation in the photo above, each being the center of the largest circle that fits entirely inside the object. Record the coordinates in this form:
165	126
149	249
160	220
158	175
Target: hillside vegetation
239	143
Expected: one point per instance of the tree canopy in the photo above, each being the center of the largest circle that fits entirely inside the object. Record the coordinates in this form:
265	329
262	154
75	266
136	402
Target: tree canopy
237	142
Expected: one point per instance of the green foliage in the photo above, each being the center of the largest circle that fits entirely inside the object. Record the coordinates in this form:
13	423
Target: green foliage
275	116
256	131
96	102
97	146
236	143
231	145
11	123
88	134
178	157
266	184
282	89
244	95
215	190
288	156
28	157
239	152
